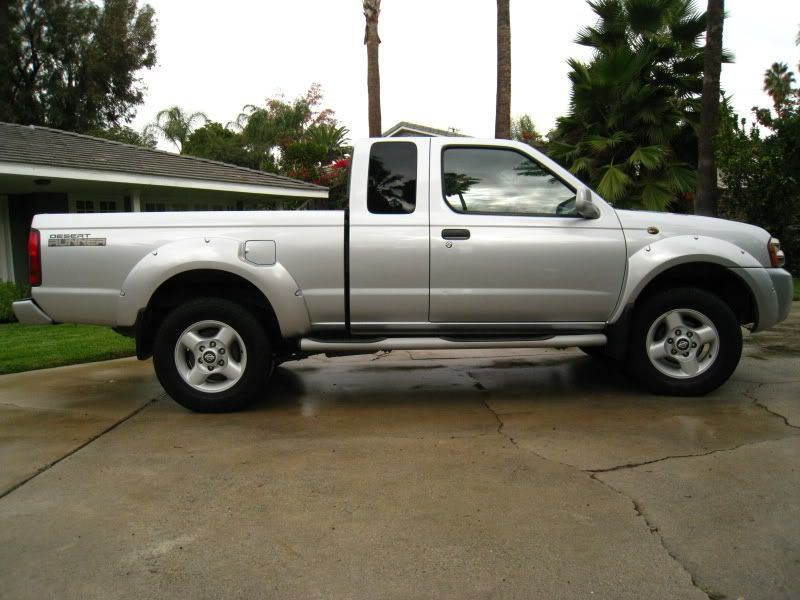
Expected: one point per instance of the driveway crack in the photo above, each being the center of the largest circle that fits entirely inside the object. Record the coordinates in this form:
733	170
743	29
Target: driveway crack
676	456
750	394
654	530
484	400
52	464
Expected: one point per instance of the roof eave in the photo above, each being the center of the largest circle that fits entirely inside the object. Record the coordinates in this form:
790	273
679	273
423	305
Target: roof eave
50	172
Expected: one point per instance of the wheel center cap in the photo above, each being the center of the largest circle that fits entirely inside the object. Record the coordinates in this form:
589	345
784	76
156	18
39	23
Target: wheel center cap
209	356
682	344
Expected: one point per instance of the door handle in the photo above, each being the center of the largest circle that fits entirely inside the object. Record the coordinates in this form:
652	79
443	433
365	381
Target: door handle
455	234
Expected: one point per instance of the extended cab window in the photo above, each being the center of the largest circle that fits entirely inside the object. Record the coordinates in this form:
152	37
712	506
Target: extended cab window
497	180
392	182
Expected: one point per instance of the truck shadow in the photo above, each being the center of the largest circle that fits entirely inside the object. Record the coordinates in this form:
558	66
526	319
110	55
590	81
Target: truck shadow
520	380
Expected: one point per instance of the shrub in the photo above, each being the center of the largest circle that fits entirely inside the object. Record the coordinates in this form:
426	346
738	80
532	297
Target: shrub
9	293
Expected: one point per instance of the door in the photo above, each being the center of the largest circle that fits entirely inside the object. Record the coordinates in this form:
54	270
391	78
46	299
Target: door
507	245
389	243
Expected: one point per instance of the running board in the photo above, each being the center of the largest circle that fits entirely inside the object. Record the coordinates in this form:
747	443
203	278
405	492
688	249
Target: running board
313	346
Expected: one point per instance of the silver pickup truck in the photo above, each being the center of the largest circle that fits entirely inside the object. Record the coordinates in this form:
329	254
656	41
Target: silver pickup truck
447	243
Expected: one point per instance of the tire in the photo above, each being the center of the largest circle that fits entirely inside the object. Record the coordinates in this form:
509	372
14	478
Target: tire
212	355
684	342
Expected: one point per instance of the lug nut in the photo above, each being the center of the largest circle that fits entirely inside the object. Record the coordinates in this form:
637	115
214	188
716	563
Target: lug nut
677	332
202	348
213	344
689	334
200	358
222	350
221	363
694	344
674	351
210	367
670	340
686	354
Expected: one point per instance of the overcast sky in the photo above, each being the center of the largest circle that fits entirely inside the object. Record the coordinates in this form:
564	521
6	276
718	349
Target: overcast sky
437	58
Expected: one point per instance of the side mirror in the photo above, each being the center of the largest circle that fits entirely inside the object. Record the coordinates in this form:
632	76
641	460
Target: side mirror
584	205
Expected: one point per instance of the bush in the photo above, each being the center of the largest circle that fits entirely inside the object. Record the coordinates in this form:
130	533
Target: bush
11	292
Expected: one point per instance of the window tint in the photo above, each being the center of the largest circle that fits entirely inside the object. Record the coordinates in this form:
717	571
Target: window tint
392	183
495	180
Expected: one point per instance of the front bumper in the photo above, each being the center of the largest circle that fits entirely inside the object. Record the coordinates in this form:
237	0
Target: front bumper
772	291
784	290
29	313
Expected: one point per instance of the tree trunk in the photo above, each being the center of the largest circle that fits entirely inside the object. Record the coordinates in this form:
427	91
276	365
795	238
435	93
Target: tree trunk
372	41
502	118
705	202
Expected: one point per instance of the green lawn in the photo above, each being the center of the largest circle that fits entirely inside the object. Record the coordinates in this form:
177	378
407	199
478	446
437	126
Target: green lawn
797	288
28	347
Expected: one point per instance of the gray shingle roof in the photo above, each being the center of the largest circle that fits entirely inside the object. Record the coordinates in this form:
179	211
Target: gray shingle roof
55	148
421	128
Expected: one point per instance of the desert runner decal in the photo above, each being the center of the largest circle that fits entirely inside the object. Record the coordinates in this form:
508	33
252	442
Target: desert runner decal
74	239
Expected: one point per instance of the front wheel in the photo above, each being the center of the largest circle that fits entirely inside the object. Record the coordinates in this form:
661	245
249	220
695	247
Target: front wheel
685	342
212	355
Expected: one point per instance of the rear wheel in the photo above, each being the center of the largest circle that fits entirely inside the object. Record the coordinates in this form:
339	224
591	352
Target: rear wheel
212	355
685	342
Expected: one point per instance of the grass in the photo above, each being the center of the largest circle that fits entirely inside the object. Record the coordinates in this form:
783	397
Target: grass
797	288
28	347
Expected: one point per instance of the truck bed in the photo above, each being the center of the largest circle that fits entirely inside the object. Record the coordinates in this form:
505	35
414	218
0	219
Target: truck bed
87	258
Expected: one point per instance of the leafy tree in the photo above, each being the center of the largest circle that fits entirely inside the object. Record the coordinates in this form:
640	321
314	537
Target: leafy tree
126	135
630	130
295	138
705	202
216	142
523	130
761	175
502	118
372	11
72	64
176	125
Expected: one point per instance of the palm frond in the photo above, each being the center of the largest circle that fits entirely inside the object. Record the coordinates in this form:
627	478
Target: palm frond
650	157
613	183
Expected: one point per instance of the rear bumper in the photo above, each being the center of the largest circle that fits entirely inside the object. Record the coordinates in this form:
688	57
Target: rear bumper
29	313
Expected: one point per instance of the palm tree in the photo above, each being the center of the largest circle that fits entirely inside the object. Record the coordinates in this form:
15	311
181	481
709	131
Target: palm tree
778	82
630	130
176	125
502	117
372	10
705	202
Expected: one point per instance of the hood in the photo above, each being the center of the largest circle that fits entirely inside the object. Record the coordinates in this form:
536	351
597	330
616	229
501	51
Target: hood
750	238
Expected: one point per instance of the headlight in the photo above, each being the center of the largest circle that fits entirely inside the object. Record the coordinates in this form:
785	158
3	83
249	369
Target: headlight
776	255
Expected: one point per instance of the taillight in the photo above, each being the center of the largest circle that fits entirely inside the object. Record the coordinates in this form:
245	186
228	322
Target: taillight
35	257
776	255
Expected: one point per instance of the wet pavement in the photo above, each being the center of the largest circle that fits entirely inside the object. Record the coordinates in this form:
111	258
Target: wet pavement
507	474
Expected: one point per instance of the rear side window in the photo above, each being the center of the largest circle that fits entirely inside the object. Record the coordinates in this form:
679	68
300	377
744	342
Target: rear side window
502	181
392	182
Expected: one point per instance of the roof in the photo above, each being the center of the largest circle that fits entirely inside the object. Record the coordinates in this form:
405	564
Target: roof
413	129
35	145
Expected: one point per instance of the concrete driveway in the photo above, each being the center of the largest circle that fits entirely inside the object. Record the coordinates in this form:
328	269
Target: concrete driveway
510	474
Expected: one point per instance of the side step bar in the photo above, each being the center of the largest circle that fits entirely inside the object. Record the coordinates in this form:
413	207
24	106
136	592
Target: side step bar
313	346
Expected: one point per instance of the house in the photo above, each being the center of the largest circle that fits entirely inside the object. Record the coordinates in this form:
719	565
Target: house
406	129
45	170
